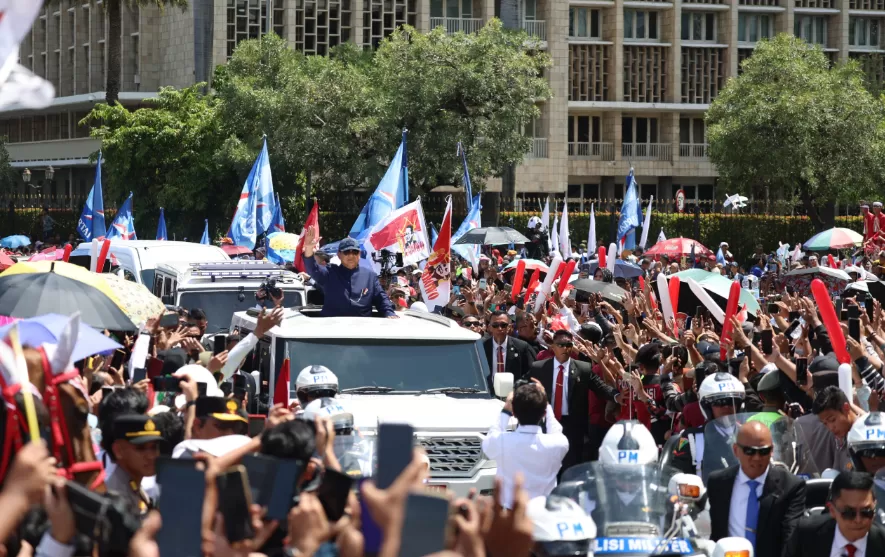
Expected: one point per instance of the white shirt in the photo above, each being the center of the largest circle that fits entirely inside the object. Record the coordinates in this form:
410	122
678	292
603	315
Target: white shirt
737	511
565	372
237	354
839	543
495	347
527	451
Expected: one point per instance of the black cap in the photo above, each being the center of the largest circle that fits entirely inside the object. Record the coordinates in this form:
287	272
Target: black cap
348	244
138	429
224	409
827	362
173	360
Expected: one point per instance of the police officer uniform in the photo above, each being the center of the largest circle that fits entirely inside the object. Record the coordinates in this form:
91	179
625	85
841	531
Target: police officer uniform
222	409
136	429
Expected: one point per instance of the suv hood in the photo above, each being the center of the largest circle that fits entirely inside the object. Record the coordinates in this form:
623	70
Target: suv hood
435	412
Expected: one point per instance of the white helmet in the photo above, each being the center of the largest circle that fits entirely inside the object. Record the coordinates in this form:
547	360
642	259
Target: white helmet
867	438
534	222
316	381
560	527
720	386
628	442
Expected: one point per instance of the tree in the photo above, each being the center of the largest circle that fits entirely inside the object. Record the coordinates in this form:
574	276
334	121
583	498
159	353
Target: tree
115	27
7	173
792	123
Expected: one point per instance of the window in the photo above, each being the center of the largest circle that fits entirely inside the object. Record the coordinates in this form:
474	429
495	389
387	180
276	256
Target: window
698	26
863	31
584	23
640	25
452	9
584	129
639	130
754	27
811	28
529	10
691	130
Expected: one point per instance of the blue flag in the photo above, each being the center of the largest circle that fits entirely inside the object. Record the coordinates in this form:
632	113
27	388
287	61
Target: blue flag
91	223
471	221
433	235
391	194
123	227
161	227
205	238
256	205
630	210
277	224
465	177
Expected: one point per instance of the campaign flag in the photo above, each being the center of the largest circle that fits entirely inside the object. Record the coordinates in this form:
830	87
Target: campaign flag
256	205
123	226
565	242
436	279
205	238
545	220
629	213
434	234
281	386
472	220
554	232
465	177
391	194
161	226
313	219
661	236
647	224
591	233
277	224
91	223
402	231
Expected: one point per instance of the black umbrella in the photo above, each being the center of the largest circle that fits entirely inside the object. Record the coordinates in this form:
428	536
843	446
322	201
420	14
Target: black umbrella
607	290
492	236
32	294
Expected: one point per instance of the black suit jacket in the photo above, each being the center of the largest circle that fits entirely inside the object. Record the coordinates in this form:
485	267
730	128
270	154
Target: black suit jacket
813	537
581	380
780	507
519	359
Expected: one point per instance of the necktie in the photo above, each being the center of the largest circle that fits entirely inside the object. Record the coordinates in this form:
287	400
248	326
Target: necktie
557	401
752	512
500	360
850	550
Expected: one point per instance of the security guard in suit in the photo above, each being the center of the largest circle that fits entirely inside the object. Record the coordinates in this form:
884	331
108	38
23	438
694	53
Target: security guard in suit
134	450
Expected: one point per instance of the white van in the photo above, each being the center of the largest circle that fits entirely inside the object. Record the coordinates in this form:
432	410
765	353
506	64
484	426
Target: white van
139	258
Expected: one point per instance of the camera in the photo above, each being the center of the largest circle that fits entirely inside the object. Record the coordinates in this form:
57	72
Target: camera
269	289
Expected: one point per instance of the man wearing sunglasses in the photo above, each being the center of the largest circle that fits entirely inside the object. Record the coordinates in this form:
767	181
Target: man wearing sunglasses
753	500
849	528
505	353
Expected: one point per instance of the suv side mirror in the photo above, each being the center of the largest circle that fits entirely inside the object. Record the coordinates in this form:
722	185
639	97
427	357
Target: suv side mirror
503	384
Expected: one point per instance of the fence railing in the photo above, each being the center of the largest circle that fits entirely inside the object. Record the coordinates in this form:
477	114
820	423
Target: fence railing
646	151
538	149
596	151
454	25
536	28
693	151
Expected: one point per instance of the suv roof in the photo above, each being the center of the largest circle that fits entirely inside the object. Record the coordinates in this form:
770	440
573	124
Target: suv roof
218	275
412	325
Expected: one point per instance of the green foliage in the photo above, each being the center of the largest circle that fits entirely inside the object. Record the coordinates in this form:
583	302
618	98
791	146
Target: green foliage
7	174
791	123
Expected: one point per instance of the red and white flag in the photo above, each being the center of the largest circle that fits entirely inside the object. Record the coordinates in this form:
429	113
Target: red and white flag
402	231
436	279
313	219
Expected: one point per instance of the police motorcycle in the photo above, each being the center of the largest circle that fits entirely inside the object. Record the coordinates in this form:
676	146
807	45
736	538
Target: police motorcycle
355	453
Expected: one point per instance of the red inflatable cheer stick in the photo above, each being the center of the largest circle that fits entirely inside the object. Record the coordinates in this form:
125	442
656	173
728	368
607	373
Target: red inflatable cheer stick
831	261
518	278
68	249
566	274
600	258
533	284
674	300
730	311
102	256
831	321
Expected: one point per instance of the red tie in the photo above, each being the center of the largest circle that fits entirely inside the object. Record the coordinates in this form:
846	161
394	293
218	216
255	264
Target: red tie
850	550
500	359
557	402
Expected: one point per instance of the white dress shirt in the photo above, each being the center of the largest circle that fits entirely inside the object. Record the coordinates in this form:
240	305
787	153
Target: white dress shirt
737	511
839	543
237	354
565	370
527	451
495	347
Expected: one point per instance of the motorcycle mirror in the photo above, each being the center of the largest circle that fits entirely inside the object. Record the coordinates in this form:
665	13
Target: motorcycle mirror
733	547
688	487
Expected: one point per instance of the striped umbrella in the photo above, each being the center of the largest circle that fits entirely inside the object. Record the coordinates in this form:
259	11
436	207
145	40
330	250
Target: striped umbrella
834	238
530	265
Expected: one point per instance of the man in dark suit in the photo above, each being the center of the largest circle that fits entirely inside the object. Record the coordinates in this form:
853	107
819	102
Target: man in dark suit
753	500
505	353
568	383
850	528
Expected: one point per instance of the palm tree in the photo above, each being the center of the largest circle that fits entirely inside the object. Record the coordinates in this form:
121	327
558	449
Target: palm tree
115	26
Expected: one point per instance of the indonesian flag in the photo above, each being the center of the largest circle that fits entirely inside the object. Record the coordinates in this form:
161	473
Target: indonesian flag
313	219
402	231
436	280
281	388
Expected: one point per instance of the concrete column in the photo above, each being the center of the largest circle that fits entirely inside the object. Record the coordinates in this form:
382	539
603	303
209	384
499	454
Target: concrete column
670	133
356	22
556	15
673	34
617	58
784	21
838	32
423	23
730	36
618	135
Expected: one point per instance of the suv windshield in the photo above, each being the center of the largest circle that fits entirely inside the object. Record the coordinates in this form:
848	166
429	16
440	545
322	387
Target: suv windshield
403	365
220	305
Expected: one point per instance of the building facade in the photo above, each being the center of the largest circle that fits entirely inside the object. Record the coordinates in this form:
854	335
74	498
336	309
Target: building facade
631	79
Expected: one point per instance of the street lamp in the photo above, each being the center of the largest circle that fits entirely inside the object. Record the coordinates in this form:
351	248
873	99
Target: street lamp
50	172
26	176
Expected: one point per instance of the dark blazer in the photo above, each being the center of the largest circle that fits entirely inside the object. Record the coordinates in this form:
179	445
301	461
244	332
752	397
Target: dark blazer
519	358
813	537
780	507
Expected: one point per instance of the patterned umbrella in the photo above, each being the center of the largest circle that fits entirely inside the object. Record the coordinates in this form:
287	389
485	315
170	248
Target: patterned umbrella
282	246
834	238
835	279
15	242
61	268
530	265
678	247
48	255
136	301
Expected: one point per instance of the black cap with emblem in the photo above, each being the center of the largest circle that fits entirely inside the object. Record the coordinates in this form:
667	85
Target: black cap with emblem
138	429
224	409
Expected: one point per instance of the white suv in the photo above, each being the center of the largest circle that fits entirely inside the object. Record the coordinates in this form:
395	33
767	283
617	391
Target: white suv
420	369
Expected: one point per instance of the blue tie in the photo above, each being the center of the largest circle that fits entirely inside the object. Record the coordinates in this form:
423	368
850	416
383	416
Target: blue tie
752	512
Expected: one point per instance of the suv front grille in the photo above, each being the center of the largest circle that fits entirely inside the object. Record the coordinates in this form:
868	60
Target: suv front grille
452	456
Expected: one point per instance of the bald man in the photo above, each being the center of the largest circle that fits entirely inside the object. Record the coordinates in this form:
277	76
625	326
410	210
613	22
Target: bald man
753	499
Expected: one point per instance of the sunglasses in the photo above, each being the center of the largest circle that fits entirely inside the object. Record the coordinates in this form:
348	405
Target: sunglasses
753	451
499	325
565	344
351	252
471	323
850	513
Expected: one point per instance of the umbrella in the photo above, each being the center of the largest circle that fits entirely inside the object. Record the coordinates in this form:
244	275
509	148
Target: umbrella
136	301
14	242
61	268
716	285
530	265
48	255
607	290
30	294
48	328
236	250
5	261
834	238
678	247
623	269
835	279
492	236
282	246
